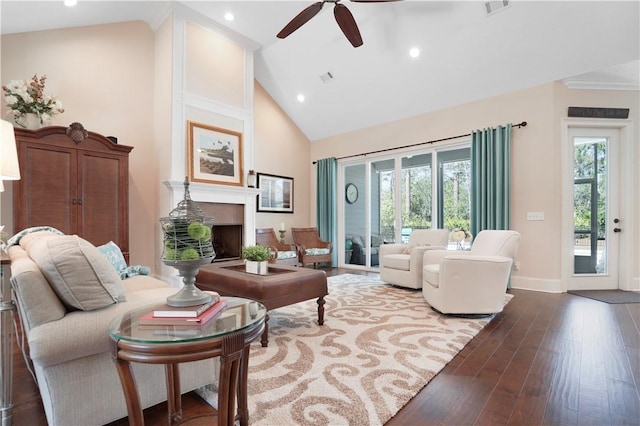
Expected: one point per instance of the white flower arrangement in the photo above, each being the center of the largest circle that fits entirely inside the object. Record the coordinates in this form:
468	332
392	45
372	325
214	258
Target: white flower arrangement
27	96
460	236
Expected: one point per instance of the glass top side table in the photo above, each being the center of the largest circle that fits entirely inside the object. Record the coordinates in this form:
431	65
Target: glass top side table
227	336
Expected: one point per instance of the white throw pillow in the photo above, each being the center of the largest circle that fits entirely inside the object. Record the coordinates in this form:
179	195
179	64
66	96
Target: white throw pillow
79	274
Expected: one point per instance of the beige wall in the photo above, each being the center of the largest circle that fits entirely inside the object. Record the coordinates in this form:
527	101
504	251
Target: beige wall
282	149
205	52
104	77
536	165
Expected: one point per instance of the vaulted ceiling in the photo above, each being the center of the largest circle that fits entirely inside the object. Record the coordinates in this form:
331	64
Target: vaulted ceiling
466	54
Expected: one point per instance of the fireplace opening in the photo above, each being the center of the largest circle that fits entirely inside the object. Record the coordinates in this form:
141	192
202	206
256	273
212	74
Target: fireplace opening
227	242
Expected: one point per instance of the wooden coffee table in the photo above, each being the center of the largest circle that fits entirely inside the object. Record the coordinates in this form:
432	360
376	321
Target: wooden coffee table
282	286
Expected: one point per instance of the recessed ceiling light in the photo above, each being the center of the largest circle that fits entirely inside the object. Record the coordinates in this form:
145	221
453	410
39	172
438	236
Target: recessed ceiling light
414	52
70	3
229	16
300	97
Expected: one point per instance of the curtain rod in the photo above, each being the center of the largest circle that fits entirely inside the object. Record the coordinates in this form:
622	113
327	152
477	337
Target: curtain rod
523	124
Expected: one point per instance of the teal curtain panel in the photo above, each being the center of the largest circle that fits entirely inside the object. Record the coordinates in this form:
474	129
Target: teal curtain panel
326	202
490	178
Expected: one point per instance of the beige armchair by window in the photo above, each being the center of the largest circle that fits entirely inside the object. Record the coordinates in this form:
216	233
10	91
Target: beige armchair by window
470	282
311	249
401	264
283	254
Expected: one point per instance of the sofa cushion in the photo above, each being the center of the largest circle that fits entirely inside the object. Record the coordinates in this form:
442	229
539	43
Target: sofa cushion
316	251
431	275
397	261
376	240
28	239
114	255
79	274
282	255
142	283
15	240
348	244
32	290
407	249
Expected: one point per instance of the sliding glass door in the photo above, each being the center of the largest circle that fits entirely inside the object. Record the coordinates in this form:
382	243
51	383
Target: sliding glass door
454	190
415	204
386	198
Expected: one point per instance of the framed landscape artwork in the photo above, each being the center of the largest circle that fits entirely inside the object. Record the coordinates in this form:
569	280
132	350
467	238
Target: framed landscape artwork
214	154
276	194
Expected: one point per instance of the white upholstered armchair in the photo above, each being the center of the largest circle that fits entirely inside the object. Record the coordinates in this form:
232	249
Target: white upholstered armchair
401	264
470	282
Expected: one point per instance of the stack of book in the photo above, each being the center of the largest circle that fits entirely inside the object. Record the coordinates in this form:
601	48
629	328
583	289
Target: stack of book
186	315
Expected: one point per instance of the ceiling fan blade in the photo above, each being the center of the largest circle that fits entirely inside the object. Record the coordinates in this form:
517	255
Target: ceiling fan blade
347	24
300	19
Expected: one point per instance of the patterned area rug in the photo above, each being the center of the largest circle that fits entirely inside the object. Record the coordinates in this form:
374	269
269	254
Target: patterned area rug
378	347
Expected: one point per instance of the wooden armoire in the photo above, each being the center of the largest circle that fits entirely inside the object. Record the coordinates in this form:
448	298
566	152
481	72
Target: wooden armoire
75	181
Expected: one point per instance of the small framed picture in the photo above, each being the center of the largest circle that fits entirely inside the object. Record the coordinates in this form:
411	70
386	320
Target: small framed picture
214	154
276	194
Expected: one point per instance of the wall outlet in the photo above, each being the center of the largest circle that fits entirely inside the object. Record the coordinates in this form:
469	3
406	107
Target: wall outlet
535	215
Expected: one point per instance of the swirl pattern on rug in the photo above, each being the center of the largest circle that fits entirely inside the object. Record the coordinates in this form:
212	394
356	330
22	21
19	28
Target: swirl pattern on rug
378	347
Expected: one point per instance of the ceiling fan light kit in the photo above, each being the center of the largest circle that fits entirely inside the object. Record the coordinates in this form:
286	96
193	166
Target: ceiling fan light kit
343	16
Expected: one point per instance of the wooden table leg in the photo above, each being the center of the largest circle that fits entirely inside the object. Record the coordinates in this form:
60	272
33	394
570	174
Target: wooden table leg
174	397
134	409
264	339
321	303
243	400
233	346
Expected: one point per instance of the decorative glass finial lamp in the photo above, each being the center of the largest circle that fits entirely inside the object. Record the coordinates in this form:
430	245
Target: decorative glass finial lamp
187	246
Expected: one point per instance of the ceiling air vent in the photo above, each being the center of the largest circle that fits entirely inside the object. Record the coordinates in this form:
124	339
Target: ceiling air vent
492	7
326	77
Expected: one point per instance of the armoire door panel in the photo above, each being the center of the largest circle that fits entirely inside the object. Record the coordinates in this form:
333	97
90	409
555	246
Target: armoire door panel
102	204
50	176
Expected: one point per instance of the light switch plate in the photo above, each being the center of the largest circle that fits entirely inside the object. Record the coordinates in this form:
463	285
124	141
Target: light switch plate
535	215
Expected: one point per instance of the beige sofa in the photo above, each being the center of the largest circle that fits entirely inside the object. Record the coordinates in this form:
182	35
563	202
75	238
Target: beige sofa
69	347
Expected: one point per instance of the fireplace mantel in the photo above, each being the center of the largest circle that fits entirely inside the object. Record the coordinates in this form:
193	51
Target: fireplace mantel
207	193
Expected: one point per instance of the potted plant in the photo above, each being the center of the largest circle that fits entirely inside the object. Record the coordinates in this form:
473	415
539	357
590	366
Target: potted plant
256	259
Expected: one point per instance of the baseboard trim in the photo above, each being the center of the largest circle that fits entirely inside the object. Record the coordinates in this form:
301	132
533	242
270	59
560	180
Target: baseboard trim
537	284
634	285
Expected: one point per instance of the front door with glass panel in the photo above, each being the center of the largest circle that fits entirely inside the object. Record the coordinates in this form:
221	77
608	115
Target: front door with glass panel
596	224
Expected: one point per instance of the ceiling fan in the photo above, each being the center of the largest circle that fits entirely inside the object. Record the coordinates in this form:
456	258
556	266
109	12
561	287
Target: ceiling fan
344	18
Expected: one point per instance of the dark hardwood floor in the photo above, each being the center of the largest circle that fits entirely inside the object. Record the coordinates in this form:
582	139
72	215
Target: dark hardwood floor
552	359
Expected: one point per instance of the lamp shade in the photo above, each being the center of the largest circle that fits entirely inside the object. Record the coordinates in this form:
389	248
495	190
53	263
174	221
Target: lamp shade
9	168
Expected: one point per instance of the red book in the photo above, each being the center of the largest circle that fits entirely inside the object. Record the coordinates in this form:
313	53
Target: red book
212	311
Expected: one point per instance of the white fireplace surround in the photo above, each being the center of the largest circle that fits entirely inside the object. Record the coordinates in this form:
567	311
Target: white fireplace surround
207	193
